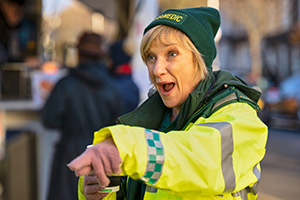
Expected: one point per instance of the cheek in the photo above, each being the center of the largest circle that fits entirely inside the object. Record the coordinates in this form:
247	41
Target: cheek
150	74
189	82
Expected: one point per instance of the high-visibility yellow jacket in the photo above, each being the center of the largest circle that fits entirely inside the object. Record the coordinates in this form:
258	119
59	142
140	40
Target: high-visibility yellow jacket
213	154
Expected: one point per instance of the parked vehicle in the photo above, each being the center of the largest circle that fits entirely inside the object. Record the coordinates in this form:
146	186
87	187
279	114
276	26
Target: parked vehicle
283	102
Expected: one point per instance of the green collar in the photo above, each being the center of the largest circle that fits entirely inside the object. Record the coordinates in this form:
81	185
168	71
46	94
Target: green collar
151	113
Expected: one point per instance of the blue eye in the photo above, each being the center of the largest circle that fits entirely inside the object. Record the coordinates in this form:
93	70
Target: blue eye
150	58
173	53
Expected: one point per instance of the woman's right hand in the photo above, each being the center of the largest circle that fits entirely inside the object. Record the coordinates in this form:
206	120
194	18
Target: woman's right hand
103	159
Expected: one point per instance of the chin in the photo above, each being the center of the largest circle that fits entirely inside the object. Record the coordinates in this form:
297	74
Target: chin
169	104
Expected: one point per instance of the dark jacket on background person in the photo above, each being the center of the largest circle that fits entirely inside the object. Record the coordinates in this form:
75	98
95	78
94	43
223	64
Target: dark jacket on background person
121	71
3	39
80	103
16	43
128	89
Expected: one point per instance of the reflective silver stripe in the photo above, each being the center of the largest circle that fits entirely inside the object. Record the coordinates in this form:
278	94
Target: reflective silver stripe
254	189
228	98
151	189
243	194
257	173
155	155
225	130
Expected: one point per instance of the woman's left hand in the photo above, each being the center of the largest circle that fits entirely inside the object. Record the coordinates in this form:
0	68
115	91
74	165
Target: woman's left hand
91	188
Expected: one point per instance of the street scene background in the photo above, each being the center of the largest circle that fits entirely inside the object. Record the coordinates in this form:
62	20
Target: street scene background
258	41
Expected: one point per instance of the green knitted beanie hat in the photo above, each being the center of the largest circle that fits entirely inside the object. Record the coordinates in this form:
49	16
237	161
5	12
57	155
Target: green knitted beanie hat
200	24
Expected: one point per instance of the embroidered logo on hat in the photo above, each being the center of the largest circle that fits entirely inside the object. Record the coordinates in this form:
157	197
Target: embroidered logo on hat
175	17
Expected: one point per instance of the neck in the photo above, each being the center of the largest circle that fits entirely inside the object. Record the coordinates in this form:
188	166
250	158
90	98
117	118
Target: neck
175	112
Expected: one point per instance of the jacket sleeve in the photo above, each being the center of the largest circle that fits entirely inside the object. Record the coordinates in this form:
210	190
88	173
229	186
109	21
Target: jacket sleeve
54	108
216	155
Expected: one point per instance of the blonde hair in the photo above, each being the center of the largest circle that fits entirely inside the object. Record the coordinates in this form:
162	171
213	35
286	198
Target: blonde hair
158	31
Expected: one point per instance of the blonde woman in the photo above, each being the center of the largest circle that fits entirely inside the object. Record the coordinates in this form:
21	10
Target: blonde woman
197	137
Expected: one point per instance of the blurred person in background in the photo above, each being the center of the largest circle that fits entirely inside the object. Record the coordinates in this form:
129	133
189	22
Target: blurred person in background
121	70
197	137
80	103
17	34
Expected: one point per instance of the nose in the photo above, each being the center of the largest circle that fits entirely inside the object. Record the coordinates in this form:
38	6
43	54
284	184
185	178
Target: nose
160	67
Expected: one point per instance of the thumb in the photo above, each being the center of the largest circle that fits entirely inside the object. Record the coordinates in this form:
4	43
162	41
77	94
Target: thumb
81	165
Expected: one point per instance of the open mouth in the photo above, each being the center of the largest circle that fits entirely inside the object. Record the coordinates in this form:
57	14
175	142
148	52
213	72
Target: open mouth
168	87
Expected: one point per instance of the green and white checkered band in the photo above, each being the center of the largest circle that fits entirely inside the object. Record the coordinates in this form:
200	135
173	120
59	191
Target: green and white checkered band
155	156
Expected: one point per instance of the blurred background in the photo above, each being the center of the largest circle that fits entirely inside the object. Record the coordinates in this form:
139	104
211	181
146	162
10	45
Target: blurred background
258	40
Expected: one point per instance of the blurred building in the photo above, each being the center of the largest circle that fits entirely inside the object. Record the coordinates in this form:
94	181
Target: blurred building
278	21
23	140
26	47
281	51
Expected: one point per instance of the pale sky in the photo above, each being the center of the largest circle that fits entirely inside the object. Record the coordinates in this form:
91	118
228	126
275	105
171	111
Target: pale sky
53	7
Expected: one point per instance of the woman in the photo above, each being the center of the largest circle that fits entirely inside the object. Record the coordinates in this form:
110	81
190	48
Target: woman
197	137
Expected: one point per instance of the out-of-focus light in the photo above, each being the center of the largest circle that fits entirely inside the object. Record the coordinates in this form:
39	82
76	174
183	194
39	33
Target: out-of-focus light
218	35
54	7
213	3
50	68
53	22
97	22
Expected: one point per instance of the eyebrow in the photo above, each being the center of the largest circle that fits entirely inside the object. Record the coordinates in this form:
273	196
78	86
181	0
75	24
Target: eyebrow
170	43
167	44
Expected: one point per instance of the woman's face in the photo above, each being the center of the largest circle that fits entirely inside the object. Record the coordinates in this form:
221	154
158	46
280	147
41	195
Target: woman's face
172	70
